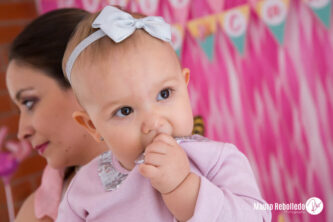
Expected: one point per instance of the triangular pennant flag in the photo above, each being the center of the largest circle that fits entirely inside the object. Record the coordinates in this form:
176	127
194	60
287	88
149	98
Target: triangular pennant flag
274	14
278	31
203	29
177	37
234	24
239	43
207	44
322	9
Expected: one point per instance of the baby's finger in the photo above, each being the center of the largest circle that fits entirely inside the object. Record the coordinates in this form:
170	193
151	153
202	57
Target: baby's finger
155	159
157	147
165	139
148	171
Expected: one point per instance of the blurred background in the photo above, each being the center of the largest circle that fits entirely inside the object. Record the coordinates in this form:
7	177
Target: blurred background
261	78
14	16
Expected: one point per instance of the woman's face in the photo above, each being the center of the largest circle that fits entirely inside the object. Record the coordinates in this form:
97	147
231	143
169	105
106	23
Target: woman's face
46	116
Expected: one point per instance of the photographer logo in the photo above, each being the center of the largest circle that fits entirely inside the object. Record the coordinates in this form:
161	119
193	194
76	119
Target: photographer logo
314	206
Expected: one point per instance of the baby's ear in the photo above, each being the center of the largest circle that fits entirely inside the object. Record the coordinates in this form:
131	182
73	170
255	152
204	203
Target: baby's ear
186	74
82	118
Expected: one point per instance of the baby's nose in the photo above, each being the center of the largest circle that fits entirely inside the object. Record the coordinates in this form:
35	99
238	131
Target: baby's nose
156	125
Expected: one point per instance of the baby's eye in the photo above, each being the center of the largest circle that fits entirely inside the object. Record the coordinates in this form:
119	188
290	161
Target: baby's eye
164	94
124	111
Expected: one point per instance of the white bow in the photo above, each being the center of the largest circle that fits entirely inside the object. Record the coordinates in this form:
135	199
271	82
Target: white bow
119	25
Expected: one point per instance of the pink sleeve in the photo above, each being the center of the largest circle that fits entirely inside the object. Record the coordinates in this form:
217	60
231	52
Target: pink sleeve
228	189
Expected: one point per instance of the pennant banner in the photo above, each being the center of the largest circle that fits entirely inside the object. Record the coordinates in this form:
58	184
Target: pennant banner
322	9
203	30
274	14
234	23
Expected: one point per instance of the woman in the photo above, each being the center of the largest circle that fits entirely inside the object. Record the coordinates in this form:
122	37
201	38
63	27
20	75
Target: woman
36	85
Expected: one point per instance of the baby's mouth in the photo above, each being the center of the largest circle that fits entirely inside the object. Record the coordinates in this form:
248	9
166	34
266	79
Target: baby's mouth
141	158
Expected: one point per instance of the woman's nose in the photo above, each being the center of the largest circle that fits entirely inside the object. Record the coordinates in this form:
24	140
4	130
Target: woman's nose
25	129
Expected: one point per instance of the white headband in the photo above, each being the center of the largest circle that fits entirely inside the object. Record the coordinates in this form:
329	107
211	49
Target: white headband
119	25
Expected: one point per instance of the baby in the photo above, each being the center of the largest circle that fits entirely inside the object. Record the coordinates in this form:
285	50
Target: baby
134	93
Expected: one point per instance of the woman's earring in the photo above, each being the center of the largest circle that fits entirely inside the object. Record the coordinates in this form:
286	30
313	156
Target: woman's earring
101	138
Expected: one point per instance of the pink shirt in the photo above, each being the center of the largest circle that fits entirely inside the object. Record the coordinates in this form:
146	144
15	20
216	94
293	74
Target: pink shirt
228	190
48	194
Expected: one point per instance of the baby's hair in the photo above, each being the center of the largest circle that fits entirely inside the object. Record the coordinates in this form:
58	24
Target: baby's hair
97	48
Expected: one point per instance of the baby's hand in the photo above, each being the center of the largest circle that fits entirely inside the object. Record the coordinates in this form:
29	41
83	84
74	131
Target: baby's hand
166	164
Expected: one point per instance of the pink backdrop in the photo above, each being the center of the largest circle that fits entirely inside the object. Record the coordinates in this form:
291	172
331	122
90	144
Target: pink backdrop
274	102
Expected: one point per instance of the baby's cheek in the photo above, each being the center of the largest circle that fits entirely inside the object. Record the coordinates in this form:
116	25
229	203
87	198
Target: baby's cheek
185	125
190	125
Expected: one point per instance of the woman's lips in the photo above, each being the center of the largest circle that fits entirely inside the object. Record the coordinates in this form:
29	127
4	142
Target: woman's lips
41	148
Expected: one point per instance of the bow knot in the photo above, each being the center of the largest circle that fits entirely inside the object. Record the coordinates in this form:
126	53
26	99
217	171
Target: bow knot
119	25
139	24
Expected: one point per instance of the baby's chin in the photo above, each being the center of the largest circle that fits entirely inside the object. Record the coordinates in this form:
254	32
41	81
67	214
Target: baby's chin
128	165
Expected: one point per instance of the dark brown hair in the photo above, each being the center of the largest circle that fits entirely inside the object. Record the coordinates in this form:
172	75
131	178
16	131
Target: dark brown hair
43	42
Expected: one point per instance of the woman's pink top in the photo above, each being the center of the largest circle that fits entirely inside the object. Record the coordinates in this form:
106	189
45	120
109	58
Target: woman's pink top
48	194
228	189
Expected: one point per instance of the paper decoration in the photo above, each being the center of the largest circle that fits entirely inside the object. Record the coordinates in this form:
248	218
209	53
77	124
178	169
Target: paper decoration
203	30
322	9
207	44
274	14
234	23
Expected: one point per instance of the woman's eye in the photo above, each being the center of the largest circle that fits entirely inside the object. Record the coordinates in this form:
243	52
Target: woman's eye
29	103
164	94
124	111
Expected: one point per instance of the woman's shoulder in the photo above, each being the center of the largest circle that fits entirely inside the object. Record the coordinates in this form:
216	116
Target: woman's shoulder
27	211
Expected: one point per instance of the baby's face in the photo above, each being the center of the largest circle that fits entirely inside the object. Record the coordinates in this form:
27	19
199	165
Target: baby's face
135	96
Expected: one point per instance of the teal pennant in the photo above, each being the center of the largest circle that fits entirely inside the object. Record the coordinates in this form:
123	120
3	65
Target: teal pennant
207	44
324	14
